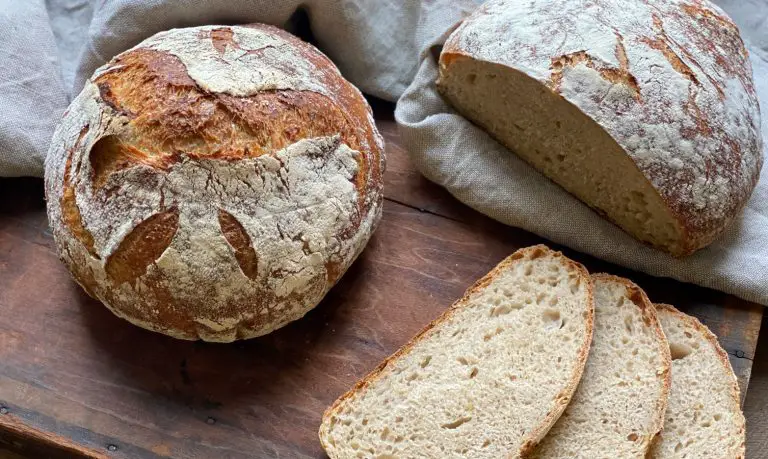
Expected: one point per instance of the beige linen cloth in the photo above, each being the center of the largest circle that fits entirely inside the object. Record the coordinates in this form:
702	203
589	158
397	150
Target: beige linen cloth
49	48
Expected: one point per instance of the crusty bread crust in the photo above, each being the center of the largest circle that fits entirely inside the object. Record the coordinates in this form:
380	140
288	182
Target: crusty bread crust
537	433
722	357
214	182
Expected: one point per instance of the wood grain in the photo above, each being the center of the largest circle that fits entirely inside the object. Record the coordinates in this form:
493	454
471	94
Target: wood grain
72	372
756	403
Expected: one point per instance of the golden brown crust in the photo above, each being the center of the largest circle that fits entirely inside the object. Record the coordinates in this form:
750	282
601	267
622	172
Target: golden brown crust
142	246
238	238
722	356
169	113
536	434
70	212
650	319
160	139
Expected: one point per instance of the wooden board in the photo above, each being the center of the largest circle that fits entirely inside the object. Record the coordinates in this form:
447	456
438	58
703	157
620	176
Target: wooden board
76	379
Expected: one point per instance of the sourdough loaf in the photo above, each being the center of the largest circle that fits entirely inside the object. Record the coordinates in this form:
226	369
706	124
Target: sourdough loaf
618	408
704	418
487	379
644	109
214	182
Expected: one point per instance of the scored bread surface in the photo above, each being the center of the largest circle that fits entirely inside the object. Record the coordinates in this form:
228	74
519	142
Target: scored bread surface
214	182
704	418
618	408
645	110
488	378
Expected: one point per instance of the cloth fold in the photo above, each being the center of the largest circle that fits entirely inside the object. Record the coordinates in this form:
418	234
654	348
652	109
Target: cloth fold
48	48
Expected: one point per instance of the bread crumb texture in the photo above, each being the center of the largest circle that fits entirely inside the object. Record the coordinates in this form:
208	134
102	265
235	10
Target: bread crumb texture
704	418
214	182
485	380
618	408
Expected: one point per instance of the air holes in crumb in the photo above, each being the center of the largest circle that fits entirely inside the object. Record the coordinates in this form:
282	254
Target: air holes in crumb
560	157
679	351
462	360
558	125
575	284
552	319
628	324
385	433
688	335
540	297
528	270
486	443
553	301
426	361
399	419
473	373
471	78
632	437
365	422
457	423
501	310
718	417
490	335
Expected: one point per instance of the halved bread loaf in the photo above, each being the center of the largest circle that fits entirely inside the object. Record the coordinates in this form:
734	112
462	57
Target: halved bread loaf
487	379
644	110
704	418
619	405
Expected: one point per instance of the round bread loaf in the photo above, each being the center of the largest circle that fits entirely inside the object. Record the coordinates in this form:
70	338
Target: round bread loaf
214	182
644	109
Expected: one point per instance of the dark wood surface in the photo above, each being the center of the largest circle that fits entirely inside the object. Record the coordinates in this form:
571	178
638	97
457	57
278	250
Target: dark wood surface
756	402
74	378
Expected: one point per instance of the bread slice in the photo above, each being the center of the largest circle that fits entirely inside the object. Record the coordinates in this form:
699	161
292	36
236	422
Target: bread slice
704	418
618	408
487	379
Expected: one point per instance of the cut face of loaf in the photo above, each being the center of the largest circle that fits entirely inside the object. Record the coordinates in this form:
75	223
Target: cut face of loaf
704	418
619	405
563	143
487	379
644	110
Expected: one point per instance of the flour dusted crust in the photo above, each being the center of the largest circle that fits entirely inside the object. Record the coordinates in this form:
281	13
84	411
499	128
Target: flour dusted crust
669	80
214	182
